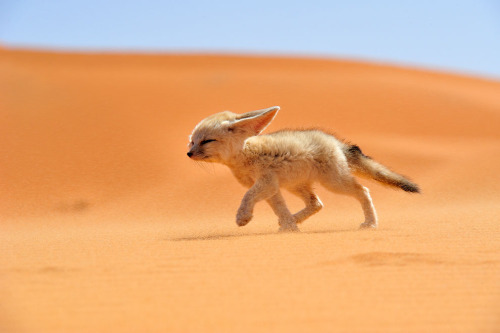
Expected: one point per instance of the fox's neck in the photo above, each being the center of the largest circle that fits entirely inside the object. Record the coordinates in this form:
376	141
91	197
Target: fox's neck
234	160
234	156
239	166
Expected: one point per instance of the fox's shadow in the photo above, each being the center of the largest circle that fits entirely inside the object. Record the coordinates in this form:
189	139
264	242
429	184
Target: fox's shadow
222	236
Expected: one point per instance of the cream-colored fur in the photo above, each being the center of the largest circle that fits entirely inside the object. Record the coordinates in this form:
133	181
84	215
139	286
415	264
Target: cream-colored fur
290	159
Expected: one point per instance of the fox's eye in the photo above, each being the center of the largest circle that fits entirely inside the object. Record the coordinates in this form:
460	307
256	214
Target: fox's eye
206	141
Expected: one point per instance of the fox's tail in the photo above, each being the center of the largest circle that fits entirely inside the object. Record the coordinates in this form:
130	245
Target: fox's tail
365	166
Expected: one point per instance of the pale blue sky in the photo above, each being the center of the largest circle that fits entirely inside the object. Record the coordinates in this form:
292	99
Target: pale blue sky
452	35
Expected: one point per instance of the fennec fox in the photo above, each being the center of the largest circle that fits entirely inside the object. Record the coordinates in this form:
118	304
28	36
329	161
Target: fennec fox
290	159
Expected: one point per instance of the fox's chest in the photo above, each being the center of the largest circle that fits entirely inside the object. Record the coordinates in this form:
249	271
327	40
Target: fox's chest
244	176
250	166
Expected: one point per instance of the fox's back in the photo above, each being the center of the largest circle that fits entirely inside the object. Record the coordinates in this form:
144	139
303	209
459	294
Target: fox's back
294	154
309	144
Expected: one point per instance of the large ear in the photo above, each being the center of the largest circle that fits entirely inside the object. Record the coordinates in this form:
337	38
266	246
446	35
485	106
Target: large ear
255	121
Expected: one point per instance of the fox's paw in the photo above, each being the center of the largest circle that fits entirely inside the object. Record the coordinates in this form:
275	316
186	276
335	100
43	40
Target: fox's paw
288	225
243	218
288	228
368	225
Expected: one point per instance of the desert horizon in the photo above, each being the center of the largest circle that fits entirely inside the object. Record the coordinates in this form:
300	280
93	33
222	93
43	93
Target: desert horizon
107	226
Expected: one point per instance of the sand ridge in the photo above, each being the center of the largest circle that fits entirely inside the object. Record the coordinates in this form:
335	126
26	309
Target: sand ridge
108	227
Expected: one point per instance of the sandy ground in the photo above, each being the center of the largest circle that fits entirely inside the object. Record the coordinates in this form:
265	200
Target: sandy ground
106	225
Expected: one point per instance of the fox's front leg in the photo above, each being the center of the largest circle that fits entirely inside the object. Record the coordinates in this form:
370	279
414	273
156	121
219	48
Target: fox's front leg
286	220
264	188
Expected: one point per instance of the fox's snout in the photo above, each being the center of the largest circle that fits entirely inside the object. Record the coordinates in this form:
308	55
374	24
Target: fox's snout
191	153
196	154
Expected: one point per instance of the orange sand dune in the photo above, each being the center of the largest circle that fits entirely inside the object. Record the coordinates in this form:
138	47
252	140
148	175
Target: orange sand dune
106	225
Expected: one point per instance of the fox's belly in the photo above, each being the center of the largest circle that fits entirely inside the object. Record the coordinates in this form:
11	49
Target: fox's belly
288	174
292	174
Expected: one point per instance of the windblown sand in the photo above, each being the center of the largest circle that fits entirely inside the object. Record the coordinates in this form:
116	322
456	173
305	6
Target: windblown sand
106	225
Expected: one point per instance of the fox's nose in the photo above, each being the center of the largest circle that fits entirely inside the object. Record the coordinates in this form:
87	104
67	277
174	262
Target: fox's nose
190	154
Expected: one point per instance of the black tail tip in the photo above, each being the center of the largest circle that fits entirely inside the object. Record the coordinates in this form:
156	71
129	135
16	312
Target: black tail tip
412	188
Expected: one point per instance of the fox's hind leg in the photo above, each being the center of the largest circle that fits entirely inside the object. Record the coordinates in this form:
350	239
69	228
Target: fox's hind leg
363	195
313	204
350	186
285	218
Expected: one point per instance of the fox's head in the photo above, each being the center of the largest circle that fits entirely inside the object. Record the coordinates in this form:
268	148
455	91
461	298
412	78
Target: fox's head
220	137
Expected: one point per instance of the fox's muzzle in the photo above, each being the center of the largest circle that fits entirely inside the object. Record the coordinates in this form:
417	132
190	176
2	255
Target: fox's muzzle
195	154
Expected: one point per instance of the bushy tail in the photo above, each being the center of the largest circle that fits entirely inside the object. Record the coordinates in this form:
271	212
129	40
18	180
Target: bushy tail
365	166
